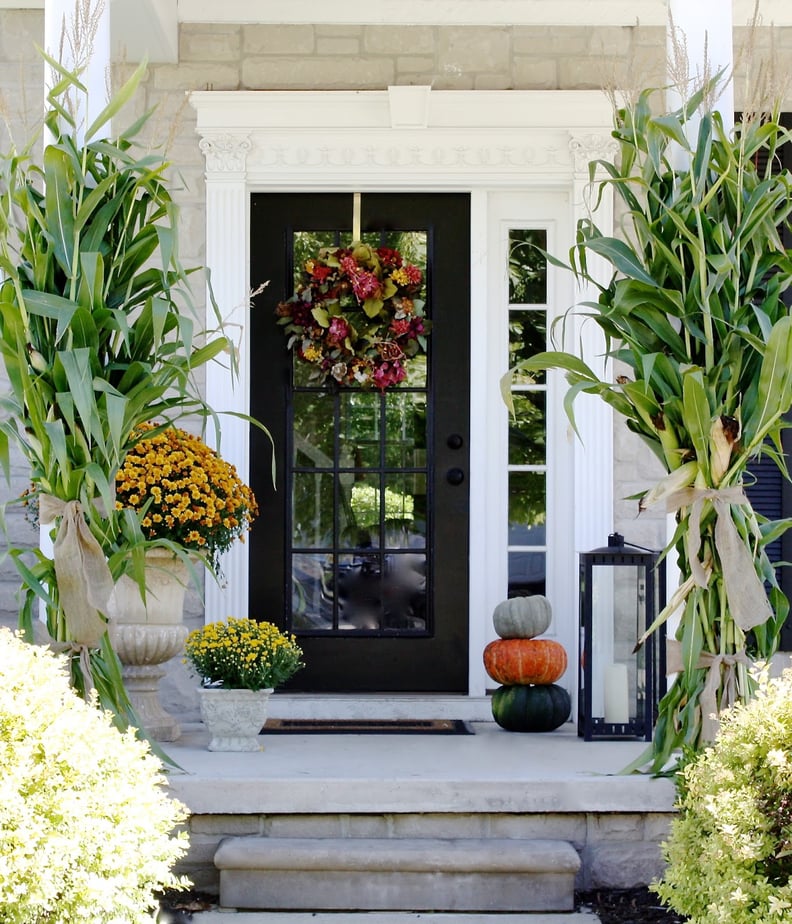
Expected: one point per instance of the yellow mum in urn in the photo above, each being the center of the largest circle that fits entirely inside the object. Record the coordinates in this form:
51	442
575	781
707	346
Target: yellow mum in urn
183	491
243	654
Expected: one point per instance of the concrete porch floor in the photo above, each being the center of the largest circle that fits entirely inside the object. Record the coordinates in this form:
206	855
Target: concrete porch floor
489	771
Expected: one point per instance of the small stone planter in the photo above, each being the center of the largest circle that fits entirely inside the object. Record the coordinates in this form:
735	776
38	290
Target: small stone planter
234	718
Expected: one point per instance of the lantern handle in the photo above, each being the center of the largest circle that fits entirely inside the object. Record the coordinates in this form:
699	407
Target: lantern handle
616	541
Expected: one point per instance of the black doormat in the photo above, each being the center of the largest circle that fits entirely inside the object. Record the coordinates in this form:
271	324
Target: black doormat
366	727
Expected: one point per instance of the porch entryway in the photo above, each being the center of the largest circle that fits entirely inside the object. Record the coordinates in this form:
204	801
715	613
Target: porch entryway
363	548
520	159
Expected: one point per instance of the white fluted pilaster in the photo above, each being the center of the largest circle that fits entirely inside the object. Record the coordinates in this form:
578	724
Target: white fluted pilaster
227	260
594	418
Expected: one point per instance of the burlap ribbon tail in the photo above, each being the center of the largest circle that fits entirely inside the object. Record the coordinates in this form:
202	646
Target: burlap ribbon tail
745	594
84	579
711	706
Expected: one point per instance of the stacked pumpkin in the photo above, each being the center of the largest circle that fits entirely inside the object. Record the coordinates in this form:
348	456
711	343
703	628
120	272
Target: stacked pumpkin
527	666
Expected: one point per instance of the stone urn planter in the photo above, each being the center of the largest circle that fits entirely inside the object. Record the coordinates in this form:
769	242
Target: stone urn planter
234	718
147	635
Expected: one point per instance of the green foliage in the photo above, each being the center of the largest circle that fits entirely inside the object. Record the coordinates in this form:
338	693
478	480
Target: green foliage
729	852
694	311
242	654
98	331
87	826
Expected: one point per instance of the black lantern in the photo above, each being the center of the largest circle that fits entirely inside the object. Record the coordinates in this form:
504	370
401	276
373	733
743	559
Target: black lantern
622	589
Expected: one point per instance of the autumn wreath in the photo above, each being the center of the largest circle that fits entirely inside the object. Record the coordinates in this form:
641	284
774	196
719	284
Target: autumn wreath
357	316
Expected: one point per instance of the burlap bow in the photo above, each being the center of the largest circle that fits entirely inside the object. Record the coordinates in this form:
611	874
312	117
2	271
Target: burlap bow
745	594
84	580
712	663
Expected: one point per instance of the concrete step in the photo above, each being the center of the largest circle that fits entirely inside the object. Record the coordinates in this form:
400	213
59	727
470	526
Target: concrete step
396	874
389	917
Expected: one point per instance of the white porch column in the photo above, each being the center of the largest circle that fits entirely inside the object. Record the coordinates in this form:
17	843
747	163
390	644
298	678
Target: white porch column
80	41
707	29
226	251
594	418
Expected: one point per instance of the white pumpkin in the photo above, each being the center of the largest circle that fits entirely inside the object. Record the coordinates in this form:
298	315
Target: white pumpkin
522	617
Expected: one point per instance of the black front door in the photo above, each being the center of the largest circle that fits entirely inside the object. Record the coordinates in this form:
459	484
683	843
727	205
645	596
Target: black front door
361	549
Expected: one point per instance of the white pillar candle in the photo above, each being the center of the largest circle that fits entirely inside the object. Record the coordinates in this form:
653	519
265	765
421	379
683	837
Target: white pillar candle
617	703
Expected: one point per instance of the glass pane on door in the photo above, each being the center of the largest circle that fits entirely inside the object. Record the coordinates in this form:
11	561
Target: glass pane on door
359	561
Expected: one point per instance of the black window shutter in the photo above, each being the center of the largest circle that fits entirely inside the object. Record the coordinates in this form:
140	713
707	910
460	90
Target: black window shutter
768	491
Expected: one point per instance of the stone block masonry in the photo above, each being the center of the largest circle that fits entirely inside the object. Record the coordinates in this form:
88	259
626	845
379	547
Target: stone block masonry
616	849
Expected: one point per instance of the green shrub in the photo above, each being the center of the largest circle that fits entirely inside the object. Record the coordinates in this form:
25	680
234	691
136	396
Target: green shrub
730	849
86	827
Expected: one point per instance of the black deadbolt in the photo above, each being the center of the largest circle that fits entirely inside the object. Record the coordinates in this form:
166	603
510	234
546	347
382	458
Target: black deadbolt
455	476
455	441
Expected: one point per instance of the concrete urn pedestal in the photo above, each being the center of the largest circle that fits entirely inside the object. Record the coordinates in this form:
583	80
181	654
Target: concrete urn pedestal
147	634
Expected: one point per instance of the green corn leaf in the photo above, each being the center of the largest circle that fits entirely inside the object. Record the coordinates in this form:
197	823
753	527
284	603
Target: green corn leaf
55	307
160	312
115	409
66	407
99	476
775	382
622	257
120	98
698	417
5	460
59	204
83	332
77	368
30	579
56	435
91	290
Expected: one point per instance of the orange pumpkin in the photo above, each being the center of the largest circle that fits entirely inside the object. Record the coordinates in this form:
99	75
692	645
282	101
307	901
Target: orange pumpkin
513	661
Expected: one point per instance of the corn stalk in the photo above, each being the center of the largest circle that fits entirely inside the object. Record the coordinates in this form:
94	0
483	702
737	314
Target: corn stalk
98	334
695	316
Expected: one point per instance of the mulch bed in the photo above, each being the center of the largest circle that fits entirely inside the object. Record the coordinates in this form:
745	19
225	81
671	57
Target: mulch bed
178	907
626	906
612	906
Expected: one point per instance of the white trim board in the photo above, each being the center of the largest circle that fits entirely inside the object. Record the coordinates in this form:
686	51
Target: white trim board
465	12
439	12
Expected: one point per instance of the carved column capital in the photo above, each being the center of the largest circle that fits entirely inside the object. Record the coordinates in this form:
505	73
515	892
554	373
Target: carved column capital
225	153
592	146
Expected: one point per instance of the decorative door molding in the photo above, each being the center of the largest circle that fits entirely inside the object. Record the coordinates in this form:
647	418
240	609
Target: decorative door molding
392	141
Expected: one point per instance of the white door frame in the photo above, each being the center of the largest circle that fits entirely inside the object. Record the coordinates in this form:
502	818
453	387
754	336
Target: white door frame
413	139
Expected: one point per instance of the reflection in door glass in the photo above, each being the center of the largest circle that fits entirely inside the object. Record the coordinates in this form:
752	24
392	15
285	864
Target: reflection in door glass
313	429
527	429
360	430
527	435
358	480
527	266
359	513
527	336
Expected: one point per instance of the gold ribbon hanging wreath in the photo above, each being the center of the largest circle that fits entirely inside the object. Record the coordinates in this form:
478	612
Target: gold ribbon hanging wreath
357	316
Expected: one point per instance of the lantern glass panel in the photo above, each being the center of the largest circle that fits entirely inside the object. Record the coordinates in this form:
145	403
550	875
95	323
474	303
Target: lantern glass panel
618	676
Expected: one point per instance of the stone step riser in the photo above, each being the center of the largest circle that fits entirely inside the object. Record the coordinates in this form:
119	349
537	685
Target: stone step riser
409	874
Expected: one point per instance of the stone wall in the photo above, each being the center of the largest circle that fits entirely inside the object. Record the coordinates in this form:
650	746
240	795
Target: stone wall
21	97
618	850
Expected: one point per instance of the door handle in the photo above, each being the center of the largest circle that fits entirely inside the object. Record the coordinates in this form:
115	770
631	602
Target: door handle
455	476
455	441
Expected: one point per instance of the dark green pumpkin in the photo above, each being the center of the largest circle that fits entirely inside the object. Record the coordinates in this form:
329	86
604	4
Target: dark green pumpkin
538	708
